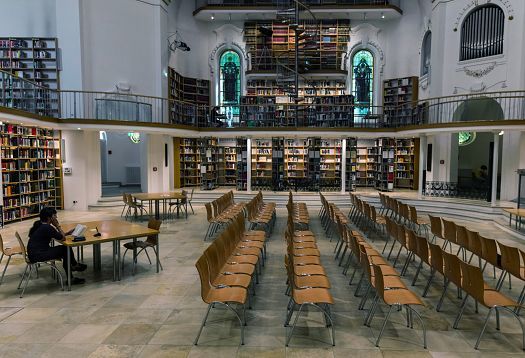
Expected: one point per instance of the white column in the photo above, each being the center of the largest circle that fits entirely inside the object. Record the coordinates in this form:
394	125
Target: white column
495	165
249	165
343	167
422	164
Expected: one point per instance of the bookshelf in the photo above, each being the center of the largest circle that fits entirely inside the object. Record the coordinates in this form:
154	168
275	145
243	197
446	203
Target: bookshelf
261	158
209	162
386	148
366	154
31	171
330	164
242	164
278	163
351	164
314	163
258	111
227	162
399	99
189	162
188	92
34	59
406	163
295	159
323	49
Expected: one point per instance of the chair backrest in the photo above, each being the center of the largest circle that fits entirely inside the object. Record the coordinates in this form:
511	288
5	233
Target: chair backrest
401	235
422	250
1	244
436	257
489	250
209	212
191	195
379	281
474	243
155	225
204	275
22	247
452	270
124	198
411	240
462	236
449	230
472	282
510	259
436	227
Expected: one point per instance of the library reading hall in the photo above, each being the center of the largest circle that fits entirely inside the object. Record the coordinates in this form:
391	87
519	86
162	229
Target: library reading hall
262	178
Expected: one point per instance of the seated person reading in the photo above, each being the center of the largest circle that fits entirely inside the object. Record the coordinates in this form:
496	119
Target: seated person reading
40	236
216	117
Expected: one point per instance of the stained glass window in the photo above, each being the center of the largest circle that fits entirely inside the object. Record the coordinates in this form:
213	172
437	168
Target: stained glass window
425	53
465	138
363	83
230	86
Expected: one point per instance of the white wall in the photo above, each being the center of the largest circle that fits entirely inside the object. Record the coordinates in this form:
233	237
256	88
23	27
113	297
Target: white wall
124	153
512	160
28	18
159	175
82	154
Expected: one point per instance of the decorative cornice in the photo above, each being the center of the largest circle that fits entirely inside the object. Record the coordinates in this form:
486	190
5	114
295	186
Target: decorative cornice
479	72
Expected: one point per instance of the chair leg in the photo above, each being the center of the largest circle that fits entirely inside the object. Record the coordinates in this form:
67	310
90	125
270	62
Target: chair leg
445	287
483	328
294	324
384	325
5	267
23	276
203	324
28	277
460	313
432	273
191	207
123	257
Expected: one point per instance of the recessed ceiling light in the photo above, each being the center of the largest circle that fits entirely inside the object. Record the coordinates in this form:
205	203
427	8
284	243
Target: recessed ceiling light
212	17
501	133
382	15
78	128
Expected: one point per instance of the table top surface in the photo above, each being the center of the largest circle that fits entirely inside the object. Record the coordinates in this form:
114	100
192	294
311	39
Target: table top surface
158	196
517	212
110	230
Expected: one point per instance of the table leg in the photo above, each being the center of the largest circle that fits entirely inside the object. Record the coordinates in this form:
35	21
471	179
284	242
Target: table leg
186	208
177	208
68	265
96	257
114	261
157	209
119	266
157	254
134	255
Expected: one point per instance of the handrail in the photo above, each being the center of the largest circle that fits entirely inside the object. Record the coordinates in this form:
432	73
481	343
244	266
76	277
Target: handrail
72	104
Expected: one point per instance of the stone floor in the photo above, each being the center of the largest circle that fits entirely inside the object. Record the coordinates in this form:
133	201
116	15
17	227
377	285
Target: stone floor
158	315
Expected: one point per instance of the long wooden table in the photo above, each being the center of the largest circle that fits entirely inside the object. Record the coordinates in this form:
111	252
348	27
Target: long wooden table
157	197
110	231
519	215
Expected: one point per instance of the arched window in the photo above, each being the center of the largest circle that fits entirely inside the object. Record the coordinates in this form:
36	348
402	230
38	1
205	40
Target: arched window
482	33
230	85
363	83
425	53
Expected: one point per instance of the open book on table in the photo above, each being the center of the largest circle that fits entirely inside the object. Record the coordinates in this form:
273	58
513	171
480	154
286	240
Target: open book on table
79	230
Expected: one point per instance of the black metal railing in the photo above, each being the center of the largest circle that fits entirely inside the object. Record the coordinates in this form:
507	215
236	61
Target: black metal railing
280	3
476	191
327	112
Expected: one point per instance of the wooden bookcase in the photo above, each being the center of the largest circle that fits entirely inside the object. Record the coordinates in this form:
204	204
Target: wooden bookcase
295	158
209	162
227	162
330	164
261	158
242	164
190	161
351	164
31	171
188	92
366	162
400	97
257	111
34	59
386	148
407	163
323	50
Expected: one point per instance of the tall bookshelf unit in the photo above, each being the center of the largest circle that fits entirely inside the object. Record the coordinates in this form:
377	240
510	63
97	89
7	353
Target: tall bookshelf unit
296	159
278	164
366	162
330	36
185	93
34	59
386	148
400	97
227	162
330	164
406	163
242	164
31	171
209	155
261	158
351	164
190	160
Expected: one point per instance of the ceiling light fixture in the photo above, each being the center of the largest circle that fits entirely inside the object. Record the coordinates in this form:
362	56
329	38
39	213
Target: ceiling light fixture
212	17
382	15
501	133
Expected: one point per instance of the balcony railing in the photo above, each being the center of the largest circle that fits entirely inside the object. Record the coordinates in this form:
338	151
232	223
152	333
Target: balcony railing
24	95
283	3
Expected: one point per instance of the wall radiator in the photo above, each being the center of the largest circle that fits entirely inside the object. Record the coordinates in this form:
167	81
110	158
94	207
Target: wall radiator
132	175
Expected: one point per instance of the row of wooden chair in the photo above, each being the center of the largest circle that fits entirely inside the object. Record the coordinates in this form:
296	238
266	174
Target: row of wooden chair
403	213
365	216
131	208
221	212
261	214
454	269
378	276
298	212
307	282
228	269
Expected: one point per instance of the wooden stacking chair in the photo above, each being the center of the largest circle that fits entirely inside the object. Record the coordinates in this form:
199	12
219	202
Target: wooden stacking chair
449	233
436	228
452	273
423	252
225	296
475	286
436	264
511	265
150	242
418	223
9	252
395	298
489	253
